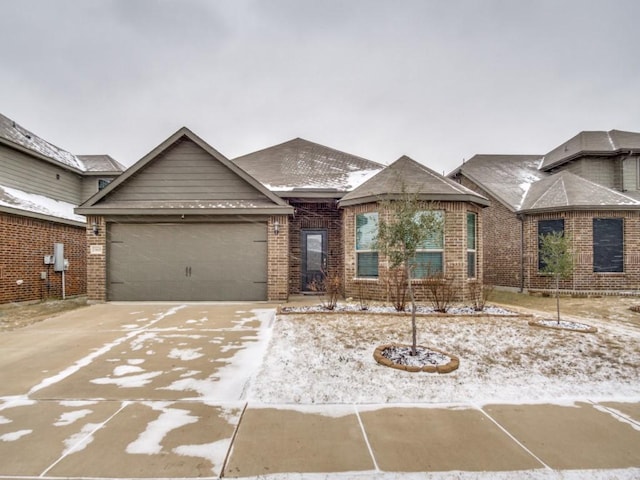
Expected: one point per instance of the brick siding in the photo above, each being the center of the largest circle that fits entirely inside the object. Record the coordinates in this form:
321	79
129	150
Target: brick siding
278	253
502	241
579	226
97	260
455	255
24	242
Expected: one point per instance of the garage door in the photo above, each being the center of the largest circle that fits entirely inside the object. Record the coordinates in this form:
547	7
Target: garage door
187	262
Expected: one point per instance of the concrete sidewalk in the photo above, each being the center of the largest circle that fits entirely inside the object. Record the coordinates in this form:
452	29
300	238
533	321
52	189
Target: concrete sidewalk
397	438
157	391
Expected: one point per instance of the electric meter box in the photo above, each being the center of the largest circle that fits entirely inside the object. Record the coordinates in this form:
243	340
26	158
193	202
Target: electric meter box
58	257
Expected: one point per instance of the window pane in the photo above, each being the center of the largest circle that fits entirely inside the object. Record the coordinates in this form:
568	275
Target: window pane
471	231
367	264
314	252
426	264
436	240
608	245
366	230
471	264
545	227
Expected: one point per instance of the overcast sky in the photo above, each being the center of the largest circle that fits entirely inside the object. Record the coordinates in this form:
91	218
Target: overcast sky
438	80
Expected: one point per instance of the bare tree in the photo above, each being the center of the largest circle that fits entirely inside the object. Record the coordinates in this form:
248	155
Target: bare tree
557	259
410	225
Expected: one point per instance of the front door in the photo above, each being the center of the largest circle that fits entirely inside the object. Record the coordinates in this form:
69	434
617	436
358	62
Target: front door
314	260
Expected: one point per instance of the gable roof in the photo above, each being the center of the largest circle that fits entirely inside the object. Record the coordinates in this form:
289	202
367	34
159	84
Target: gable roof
97	164
567	191
505	177
608	143
262	201
407	175
300	165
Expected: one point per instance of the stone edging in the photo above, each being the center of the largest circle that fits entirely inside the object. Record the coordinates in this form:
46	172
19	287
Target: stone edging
279	311
588	329
453	364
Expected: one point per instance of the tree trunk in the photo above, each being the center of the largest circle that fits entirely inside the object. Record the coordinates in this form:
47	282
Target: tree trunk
413	310
558	297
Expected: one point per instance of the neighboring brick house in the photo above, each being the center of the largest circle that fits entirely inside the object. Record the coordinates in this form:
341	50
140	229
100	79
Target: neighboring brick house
186	223
40	184
588	187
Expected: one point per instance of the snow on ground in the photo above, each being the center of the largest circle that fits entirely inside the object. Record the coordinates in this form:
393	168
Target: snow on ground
540	474
328	358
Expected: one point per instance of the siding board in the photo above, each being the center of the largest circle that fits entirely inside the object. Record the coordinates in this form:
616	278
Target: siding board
185	172
18	170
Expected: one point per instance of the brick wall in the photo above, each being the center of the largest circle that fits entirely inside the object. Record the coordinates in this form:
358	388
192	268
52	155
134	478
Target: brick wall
455	254
502	241
579	226
24	242
278	258
96	260
311	216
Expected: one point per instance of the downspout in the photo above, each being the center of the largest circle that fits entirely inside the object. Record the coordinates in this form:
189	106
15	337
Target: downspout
520	217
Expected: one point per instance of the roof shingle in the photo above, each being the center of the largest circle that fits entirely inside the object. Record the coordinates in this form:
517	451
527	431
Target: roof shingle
407	175
302	165
591	143
566	191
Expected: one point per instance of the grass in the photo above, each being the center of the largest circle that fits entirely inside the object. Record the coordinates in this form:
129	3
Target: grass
328	358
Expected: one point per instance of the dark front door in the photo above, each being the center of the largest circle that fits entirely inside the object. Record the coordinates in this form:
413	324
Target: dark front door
314	259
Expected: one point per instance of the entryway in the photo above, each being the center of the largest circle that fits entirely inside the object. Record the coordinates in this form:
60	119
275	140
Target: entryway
314	259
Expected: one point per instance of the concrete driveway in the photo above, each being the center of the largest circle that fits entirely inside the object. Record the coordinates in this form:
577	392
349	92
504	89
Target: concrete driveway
160	391
128	390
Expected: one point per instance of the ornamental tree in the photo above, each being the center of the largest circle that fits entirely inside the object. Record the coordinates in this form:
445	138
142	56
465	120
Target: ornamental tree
408	225
557	259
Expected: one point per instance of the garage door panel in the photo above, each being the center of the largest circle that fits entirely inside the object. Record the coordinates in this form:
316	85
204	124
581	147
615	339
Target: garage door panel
187	261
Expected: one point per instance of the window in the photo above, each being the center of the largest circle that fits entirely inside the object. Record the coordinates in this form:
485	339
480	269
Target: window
103	182
545	227
471	245
608	245
366	256
429	258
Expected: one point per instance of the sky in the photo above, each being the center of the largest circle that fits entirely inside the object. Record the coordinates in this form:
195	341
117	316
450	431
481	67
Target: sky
439	81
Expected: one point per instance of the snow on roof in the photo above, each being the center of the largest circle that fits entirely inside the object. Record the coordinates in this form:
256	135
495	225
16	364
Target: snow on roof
14	133
101	163
30	202
506	177
302	165
567	190
405	174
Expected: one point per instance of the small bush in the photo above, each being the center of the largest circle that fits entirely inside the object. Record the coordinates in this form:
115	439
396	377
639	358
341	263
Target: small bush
442	292
362	300
398	287
330	286
480	293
